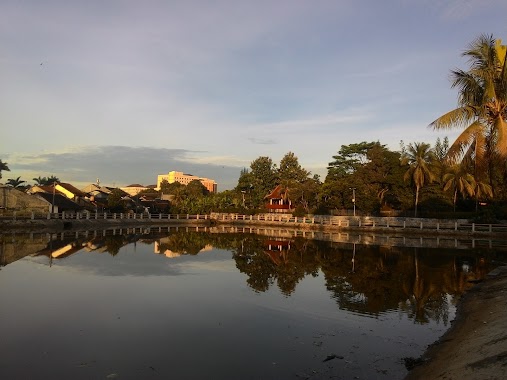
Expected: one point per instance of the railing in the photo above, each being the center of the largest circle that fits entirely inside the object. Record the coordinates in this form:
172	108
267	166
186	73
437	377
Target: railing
324	221
100	216
365	223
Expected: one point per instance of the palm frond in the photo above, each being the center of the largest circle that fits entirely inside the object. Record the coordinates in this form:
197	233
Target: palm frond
458	117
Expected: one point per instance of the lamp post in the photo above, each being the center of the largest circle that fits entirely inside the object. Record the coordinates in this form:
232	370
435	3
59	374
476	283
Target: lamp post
53	202
243	192
353	198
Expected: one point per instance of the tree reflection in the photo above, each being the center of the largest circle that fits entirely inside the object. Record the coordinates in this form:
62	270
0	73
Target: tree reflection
421	283
363	279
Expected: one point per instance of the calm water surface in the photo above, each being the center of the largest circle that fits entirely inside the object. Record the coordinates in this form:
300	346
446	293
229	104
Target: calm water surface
194	305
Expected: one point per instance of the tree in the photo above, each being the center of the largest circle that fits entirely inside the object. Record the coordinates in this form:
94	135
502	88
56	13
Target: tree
15	183
421	171
40	181
459	180
349	158
263	175
290	170
165	186
482	106
3	167
114	200
44	181
372	172
196	189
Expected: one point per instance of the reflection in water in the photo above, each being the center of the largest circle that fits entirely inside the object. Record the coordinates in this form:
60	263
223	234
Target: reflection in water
158	303
365	279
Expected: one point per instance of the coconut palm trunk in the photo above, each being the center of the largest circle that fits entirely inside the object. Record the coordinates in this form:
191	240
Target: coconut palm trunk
416	200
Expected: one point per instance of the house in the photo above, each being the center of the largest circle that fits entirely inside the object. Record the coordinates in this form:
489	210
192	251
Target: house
278	200
60	202
155	205
69	191
96	191
134	189
77	198
97	195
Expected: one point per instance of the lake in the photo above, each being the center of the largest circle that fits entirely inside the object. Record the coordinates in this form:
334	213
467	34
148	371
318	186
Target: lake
165	303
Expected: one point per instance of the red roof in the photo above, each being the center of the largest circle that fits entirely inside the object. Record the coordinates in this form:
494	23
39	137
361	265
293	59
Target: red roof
277	193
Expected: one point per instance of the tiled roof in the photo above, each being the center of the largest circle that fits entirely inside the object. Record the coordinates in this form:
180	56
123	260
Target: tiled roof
72	189
276	193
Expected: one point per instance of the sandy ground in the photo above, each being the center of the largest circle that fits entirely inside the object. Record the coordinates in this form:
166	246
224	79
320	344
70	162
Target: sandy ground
475	347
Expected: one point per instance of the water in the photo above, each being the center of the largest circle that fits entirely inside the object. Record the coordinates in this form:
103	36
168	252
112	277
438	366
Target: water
158	304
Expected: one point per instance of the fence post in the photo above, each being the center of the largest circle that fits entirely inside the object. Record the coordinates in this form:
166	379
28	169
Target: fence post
473	227
455	226
490	228
438	226
421	225
105	215
404	224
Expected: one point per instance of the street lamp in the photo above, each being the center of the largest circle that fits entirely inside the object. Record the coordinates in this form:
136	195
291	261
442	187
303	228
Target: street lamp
353	198
243	192
53	202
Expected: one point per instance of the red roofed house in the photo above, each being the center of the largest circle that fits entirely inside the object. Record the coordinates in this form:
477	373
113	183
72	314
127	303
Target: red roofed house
278	200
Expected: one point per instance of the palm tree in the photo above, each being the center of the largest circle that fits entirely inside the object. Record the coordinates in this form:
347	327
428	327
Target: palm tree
421	171
458	179
44	181
3	167
482	105
40	181
15	183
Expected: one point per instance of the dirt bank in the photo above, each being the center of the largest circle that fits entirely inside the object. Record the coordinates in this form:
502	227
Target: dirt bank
475	347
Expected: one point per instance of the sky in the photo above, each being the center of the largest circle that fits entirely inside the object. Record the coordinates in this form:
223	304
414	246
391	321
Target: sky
126	90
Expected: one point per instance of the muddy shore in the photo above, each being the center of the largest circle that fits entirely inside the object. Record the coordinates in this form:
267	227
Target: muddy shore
475	347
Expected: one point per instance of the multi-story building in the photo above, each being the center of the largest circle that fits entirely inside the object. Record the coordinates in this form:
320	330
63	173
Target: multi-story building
185	179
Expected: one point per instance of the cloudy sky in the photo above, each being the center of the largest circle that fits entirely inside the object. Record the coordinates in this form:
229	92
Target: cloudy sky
126	90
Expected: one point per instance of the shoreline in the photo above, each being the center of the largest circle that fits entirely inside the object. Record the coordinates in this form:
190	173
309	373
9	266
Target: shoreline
475	346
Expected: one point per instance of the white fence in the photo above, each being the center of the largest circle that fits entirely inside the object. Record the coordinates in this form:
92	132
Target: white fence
102	216
365	223
316	221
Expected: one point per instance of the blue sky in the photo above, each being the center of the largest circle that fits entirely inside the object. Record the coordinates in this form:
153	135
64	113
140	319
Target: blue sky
126	90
